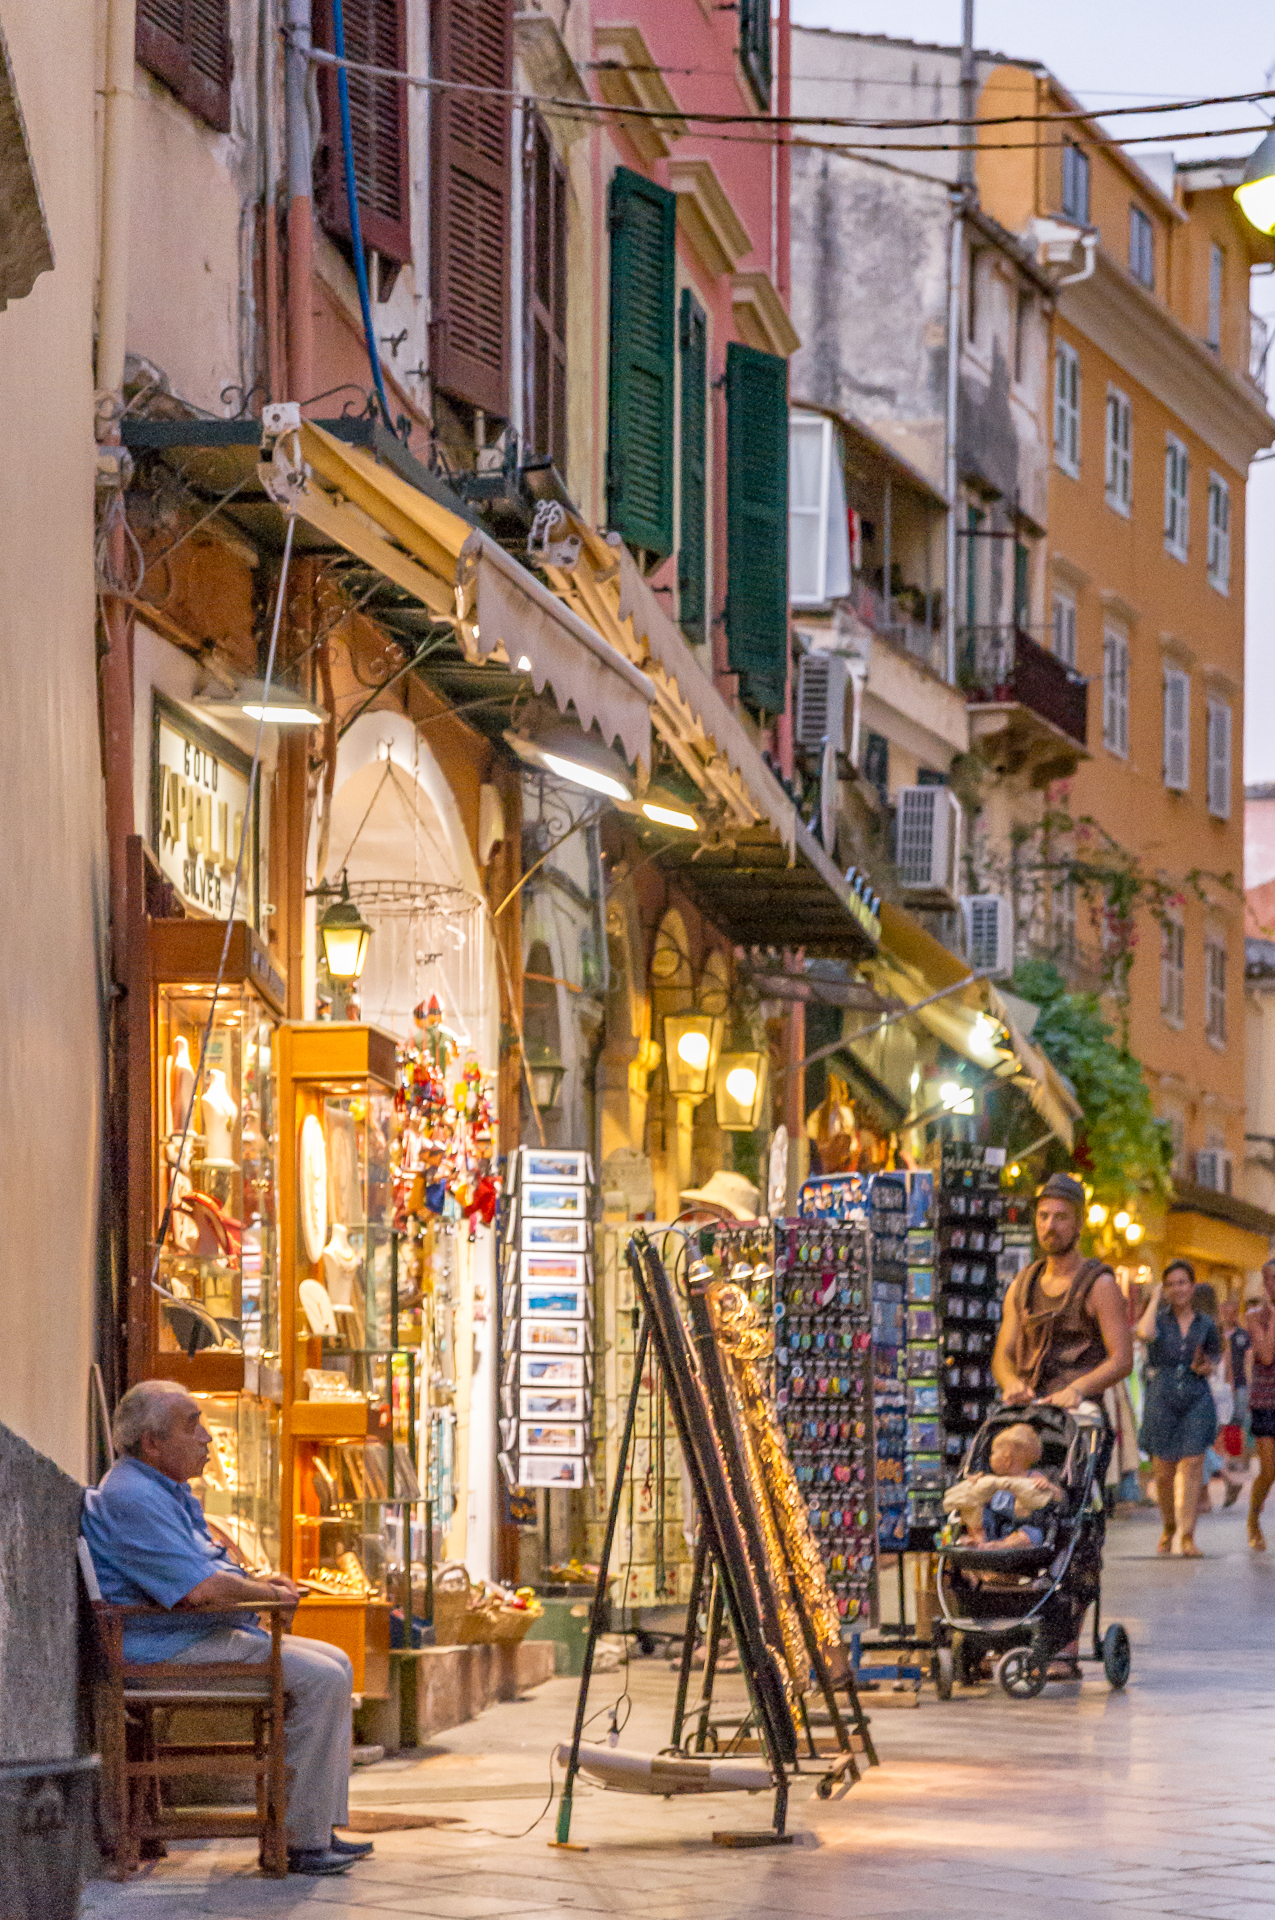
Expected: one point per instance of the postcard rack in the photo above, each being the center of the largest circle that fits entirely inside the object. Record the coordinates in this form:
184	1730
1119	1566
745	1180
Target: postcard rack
547	1310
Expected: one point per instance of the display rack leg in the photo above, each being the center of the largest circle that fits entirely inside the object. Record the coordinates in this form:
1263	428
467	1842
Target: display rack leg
563	1834
711	1638
688	1638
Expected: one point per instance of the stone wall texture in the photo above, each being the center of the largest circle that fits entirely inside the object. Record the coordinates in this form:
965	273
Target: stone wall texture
40	1716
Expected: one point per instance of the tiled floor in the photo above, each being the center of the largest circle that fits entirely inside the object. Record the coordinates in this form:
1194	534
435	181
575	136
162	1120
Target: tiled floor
1154	1802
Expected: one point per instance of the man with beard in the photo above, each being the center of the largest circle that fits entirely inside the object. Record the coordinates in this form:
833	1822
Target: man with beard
1064	1334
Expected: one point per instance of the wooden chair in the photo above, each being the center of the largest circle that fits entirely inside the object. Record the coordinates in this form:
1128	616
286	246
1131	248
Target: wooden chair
131	1697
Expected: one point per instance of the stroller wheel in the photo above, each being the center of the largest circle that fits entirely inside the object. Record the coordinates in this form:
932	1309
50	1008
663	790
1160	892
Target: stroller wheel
1116	1657
1021	1673
943	1672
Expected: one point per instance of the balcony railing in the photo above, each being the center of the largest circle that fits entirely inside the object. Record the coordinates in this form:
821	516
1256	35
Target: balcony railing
1003	666
886	617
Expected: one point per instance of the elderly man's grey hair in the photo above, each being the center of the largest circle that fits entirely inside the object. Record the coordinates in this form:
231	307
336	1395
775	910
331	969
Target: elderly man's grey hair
145	1408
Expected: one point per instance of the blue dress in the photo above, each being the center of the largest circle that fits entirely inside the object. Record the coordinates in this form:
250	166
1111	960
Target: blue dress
1179	1418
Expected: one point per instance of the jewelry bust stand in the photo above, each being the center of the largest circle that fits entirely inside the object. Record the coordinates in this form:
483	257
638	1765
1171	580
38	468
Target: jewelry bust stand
181	1084
340	1266
219	1116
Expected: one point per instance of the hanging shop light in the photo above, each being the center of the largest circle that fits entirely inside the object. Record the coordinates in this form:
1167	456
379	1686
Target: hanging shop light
1134	1232
579	758
345	935
692	1042
1256	191
665	807
546	1073
1121	1221
280	707
741	1091
1097	1215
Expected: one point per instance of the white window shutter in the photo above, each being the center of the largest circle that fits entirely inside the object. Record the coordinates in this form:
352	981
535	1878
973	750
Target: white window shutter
821	702
989	933
1177	721
1219	759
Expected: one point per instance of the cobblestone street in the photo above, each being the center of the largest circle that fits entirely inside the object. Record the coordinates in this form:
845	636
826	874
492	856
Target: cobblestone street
1155	1802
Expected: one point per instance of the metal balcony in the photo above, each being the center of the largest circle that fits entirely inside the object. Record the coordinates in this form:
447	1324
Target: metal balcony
1005	667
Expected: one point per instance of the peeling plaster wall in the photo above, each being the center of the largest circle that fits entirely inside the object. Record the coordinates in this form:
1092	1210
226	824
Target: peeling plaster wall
39	1605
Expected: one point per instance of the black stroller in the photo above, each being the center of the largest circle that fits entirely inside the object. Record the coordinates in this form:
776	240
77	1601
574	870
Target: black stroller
1024	1604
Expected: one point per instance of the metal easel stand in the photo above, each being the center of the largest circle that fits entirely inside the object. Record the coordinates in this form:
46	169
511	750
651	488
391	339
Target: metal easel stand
562	1837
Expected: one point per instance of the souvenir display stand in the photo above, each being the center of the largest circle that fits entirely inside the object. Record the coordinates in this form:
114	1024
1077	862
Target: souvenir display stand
354	1520
754	1543
207	1311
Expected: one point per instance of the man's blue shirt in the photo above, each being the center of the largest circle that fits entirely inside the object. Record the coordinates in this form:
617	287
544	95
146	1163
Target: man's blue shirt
151	1545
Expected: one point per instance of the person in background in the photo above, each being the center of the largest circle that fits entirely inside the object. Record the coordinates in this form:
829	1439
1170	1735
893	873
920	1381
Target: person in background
1259	1324
1179	1419
1238	1348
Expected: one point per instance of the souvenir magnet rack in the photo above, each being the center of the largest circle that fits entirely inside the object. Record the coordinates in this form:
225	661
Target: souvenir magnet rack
737	1597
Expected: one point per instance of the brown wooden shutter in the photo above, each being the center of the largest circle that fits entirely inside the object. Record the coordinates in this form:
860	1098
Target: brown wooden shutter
545	225
186	44
471	42
375	31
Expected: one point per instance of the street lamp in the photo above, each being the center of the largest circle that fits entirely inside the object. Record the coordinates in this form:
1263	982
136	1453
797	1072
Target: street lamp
692	1042
741	1091
345	935
545	1072
1256	191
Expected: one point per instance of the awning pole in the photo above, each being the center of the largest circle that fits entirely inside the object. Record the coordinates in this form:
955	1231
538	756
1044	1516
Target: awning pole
887	1020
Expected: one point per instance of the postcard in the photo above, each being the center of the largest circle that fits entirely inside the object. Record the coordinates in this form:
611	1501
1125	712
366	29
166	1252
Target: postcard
534	1438
546	1370
562	1236
541	1163
551	1403
562	1303
560	1336
542	1200
551	1268
548	1470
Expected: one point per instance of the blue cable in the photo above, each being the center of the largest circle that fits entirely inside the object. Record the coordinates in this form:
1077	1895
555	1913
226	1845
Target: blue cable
352	200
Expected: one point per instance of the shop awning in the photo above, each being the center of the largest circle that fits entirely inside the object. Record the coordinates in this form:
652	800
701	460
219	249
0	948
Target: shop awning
1218	1229
970	1018
360	496
766	881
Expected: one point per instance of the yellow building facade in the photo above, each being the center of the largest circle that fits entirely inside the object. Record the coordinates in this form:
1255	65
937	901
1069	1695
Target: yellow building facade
1156	417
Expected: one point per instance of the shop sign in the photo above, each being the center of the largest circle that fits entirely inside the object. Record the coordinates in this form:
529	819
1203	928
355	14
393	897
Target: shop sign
199	807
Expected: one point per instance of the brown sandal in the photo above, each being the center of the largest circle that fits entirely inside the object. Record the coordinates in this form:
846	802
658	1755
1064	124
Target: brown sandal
1188	1550
1256	1538
1166	1541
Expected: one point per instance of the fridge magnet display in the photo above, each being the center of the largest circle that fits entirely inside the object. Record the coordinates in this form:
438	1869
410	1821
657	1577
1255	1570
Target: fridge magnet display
555	1302
555	1166
562	1236
541	1201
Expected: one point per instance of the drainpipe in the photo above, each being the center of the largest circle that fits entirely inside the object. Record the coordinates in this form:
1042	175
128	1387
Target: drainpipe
300	201
112	334
781	227
964	197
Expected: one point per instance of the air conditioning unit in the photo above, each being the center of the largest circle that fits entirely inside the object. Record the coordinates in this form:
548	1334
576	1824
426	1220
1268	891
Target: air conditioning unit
928	842
1213	1168
821	702
989	933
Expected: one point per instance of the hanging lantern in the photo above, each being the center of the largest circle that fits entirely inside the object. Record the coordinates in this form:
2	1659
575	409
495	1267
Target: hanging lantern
741	1091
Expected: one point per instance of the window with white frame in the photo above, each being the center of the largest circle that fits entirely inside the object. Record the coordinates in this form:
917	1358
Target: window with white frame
1219	557
1067	408
818	527
1119	450
1141	246
1177	729
1115	693
1173	971
1062	626
1217	273
1215	989
1219	759
1177	497
1075	191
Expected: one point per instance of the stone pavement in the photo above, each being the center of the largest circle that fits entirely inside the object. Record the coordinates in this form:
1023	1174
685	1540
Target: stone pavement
1157	1801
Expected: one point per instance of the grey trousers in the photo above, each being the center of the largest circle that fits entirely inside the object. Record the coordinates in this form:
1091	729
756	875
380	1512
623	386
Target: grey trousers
317	1681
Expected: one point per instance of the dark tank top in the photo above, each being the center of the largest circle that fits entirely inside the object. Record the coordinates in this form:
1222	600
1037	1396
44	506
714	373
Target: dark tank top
1057	1341
1262	1393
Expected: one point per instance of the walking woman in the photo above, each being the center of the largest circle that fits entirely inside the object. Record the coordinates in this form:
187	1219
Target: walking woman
1179	1419
1260	1323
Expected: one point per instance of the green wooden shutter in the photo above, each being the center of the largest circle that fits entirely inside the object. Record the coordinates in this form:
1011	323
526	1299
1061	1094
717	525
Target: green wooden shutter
640	396
757	523
691	585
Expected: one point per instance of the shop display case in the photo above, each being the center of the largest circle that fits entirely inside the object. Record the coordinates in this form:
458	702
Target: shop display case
204	1297
351	1327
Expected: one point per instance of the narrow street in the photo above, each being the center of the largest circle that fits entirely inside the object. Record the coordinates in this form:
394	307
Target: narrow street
1155	1802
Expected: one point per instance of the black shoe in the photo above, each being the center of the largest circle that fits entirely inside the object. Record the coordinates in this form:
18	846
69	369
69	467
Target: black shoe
352	1849
317	1860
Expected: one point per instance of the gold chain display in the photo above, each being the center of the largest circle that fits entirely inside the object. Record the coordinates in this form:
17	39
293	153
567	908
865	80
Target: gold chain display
746	1344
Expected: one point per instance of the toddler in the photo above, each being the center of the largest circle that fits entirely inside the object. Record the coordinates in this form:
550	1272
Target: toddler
995	1508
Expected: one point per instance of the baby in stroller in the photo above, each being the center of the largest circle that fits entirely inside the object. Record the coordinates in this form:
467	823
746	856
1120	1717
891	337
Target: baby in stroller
999	1509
